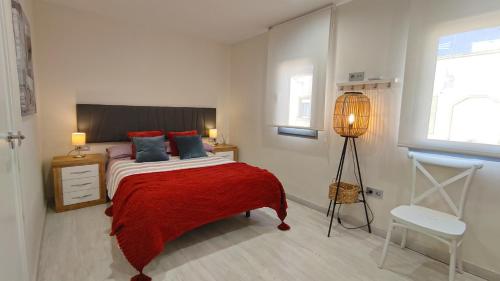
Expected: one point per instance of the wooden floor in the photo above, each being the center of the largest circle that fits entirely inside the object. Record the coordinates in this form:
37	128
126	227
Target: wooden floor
77	247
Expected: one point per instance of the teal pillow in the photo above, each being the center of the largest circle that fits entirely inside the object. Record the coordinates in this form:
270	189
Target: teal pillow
190	147
150	149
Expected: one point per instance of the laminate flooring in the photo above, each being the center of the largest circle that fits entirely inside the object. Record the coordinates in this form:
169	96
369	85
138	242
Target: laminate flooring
77	247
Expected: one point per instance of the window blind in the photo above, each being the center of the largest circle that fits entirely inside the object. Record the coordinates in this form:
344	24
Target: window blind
296	71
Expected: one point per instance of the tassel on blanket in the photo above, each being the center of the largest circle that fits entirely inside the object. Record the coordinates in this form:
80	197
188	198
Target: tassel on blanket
109	211
141	277
283	226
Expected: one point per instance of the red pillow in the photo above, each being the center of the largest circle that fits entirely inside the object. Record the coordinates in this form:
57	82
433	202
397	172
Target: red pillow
174	150
142	134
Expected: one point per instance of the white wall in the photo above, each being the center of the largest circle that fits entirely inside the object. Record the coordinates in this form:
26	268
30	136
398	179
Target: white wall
371	37
87	58
33	201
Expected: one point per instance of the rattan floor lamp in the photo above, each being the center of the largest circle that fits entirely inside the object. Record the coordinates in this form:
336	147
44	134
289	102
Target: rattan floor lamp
350	120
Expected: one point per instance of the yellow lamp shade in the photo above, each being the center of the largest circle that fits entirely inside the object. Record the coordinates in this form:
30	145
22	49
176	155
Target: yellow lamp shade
212	133
351	115
78	139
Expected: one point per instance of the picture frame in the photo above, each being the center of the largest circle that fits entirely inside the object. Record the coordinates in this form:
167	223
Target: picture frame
24	59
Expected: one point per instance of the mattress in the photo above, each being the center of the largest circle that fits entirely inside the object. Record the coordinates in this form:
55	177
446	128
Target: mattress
118	169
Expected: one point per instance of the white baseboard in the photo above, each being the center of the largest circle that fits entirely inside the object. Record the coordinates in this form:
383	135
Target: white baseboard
468	267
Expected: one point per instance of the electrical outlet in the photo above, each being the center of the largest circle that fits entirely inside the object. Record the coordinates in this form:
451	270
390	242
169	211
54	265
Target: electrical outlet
377	193
356	76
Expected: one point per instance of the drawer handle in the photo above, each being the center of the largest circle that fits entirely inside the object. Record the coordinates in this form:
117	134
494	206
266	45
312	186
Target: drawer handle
79	173
83	196
83	184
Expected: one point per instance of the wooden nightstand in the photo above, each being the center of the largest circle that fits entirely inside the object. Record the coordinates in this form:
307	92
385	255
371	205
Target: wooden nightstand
226	150
78	182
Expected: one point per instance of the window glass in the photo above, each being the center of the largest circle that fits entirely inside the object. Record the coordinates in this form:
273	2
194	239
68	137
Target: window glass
466	95
300	99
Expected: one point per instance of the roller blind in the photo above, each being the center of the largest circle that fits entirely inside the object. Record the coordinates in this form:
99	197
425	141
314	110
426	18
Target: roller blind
296	71
451	100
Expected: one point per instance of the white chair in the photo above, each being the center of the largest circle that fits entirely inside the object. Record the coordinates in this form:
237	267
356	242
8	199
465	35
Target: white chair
447	228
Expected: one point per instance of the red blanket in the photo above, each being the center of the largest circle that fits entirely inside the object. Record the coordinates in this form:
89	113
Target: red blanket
151	209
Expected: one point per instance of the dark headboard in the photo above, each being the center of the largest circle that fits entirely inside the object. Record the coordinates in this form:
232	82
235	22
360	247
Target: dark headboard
110	123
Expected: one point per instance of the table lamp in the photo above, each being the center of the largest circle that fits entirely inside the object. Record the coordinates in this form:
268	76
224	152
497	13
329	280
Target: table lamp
212	134
351	117
78	140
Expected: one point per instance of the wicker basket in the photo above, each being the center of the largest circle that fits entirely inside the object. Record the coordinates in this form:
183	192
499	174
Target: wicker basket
348	193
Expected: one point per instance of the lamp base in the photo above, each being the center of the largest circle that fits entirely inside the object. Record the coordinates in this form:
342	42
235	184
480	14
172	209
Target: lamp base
79	155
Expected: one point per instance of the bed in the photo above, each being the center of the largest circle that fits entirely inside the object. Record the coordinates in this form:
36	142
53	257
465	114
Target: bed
153	203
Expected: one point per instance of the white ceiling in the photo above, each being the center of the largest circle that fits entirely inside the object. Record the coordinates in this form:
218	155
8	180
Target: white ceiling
226	21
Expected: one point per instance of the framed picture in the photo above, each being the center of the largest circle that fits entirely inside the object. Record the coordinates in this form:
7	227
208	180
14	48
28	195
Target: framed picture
22	36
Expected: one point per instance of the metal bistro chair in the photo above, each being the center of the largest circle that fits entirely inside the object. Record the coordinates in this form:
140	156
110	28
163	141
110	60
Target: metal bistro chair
445	227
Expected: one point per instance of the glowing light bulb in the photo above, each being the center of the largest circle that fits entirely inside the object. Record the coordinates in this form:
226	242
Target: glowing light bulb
351	119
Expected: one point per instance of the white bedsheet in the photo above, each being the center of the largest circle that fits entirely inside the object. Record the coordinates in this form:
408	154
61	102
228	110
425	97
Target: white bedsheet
121	168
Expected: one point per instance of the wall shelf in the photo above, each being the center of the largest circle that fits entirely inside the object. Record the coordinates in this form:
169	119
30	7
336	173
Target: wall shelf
364	85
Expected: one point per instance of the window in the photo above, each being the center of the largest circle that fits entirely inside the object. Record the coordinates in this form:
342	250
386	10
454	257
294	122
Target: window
466	96
451	96
296	73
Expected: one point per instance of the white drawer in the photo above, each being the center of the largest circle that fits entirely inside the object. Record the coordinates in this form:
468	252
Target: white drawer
226	154
80	184
70	198
77	172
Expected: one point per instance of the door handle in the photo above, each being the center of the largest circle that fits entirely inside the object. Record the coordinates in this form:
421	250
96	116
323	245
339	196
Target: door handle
11	139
